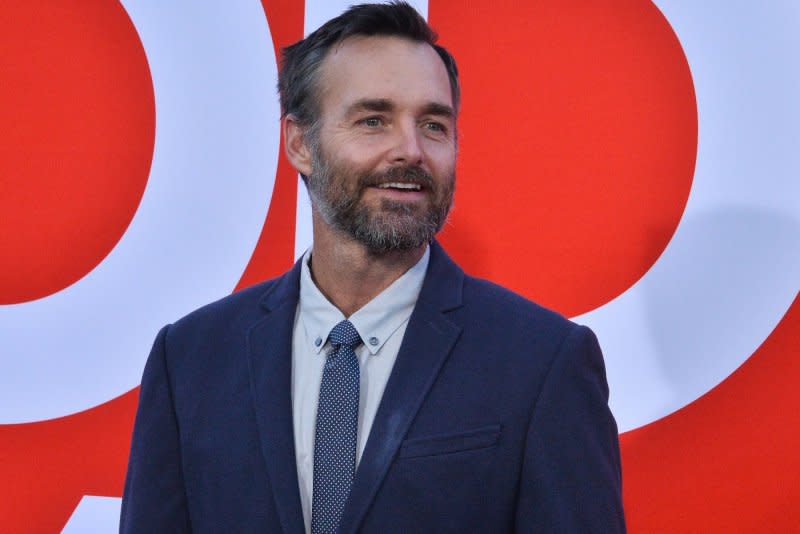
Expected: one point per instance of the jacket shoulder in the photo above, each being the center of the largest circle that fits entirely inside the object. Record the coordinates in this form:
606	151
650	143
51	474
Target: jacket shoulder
234	313
242	301
494	297
509	312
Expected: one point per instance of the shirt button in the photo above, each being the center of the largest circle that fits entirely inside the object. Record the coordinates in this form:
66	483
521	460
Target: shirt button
318	341
373	341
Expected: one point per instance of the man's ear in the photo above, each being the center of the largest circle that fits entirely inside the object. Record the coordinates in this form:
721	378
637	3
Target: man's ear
295	145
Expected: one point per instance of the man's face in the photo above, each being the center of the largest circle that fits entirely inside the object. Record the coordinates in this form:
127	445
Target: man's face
384	157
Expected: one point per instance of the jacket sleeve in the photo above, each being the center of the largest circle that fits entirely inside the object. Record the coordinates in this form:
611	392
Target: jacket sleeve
155	497
571	475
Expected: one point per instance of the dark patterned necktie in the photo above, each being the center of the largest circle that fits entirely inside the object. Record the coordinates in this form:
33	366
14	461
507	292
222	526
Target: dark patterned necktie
337	429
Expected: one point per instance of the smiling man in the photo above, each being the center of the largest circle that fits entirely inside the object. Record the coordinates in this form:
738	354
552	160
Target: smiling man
375	387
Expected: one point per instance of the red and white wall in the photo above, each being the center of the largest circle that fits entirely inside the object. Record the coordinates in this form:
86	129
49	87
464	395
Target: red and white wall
634	165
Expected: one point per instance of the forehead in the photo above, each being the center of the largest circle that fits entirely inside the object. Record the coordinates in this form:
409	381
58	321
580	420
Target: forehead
406	72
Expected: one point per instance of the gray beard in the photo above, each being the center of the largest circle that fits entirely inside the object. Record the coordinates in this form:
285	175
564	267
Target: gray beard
395	226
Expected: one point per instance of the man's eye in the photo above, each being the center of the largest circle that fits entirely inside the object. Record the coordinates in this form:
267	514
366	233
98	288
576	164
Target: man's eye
435	126
372	122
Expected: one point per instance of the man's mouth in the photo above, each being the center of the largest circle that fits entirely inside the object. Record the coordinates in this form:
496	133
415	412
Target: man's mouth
409	183
400	185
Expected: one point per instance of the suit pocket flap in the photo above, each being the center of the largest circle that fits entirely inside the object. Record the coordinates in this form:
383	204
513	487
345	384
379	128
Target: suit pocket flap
479	438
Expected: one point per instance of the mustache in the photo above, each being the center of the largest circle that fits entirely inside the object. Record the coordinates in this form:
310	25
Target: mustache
412	174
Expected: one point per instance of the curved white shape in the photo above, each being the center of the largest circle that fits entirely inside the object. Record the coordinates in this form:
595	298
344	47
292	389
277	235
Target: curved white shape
732	268
216	149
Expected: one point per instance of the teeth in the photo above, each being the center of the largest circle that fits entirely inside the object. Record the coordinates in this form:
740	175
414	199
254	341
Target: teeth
398	185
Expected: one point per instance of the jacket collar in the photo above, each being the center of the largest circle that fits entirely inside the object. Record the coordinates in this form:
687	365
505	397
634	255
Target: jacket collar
441	290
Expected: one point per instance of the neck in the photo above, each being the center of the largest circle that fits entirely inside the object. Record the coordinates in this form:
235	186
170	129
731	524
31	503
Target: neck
348	274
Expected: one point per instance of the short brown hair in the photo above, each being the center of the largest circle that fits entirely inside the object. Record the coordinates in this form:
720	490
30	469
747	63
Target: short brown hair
301	61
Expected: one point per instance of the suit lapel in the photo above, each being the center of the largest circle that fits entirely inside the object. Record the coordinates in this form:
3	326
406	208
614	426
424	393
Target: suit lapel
428	340
270	363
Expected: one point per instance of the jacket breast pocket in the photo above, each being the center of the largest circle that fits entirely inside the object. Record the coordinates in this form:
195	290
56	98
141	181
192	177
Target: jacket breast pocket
479	438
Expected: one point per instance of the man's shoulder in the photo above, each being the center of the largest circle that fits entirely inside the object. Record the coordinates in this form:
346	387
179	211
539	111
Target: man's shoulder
238	309
503	306
491	303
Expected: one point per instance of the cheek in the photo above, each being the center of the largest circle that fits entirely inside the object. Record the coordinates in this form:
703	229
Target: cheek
363	149
357	162
444	171
441	157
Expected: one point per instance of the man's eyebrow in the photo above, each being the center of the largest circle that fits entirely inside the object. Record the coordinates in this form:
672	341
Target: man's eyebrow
435	108
383	105
370	104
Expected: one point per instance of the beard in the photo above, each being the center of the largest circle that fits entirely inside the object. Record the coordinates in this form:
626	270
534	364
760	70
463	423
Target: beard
337	194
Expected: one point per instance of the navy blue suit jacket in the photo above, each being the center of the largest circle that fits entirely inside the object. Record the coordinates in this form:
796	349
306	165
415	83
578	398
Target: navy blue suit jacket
494	419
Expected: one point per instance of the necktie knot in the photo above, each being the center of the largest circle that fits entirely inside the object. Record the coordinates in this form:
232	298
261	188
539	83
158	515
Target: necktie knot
344	334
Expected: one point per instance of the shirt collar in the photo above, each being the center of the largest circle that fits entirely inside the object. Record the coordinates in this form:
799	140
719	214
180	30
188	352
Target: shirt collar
375	322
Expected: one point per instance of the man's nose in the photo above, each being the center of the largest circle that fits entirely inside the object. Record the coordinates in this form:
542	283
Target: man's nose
407	147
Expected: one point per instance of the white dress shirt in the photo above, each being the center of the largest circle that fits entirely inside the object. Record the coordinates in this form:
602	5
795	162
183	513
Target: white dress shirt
381	323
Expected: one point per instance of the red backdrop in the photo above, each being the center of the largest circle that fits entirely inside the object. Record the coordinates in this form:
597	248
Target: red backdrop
727	462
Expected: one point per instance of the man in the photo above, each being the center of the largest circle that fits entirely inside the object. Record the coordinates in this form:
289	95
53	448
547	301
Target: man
375	387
